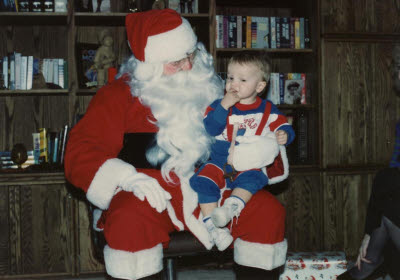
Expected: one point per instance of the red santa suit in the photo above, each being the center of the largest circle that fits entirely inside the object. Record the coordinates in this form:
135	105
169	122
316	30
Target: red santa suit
135	232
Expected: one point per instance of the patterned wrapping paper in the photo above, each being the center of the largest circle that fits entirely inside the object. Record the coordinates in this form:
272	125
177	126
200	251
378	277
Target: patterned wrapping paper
314	266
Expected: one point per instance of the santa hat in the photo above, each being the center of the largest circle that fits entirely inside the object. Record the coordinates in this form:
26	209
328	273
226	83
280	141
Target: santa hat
158	36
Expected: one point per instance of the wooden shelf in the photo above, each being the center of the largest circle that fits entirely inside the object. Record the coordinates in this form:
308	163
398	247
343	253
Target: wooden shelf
34	92
86	92
266	50
28	18
361	37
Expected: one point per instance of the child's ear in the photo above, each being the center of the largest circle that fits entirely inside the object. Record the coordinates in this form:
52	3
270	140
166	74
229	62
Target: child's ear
260	86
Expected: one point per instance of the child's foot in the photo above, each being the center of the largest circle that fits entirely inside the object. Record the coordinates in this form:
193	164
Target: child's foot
232	207
221	237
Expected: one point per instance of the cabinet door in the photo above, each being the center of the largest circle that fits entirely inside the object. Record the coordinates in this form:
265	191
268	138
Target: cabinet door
345	205
36	230
360	108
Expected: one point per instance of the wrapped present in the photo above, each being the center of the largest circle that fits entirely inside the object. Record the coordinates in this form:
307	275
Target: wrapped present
314	266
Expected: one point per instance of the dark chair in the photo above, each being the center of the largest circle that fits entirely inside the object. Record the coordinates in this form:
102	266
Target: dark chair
182	243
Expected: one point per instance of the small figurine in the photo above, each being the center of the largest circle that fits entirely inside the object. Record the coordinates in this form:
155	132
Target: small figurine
104	58
158	5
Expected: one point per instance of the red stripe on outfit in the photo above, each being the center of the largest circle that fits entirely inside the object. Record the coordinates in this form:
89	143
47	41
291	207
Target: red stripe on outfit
214	173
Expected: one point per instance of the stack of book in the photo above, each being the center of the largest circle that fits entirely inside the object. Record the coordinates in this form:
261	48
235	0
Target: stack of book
49	146
33	5
288	88
17	71
262	32
7	163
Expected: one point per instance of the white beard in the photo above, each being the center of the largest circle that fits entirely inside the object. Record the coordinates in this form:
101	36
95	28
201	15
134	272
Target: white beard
178	102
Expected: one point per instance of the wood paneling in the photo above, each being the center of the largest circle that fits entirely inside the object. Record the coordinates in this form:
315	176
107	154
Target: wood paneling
302	201
345	203
39	226
360	16
360	107
87	261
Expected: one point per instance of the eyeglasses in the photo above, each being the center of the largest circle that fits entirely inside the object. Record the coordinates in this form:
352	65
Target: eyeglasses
181	62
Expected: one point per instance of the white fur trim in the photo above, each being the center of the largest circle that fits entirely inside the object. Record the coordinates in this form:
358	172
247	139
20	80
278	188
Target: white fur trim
172	215
264	256
128	265
146	71
285	162
104	184
195	225
172	45
96	216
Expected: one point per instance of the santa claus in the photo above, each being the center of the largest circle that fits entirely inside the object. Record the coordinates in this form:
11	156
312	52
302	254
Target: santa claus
161	94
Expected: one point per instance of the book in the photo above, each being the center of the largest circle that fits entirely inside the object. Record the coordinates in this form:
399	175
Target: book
248	32
24	5
278	30
48	6
239	31
281	88
101	6
301	32
43	145
60	6
273	32
285	35
5	71
273	91
87	75
17	70
225	31
297	33
262	38
294	86
64	137
11	59
23	74
232	31
36	146
302	134
218	32
307	40
2	82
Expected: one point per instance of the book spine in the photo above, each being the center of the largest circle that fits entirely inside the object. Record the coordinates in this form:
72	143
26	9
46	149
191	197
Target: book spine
307	40
17	71
297	33
24	69
232	29
5	71
303	99
302	33
29	74
36	146
253	32
12	71
273	32
61	72
43	145
65	66
248	32
217	31
291	33
244	33
239	32
281	88
278	32
225	32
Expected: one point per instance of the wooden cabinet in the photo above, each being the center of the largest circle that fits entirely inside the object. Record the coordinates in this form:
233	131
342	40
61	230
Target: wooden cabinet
37	226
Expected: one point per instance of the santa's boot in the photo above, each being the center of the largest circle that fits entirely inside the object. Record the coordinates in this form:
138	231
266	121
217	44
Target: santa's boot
246	273
232	207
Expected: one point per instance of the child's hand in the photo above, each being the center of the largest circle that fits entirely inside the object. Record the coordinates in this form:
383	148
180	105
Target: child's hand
231	98
281	137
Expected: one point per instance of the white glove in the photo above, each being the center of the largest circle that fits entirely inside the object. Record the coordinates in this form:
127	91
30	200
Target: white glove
363	251
255	151
144	186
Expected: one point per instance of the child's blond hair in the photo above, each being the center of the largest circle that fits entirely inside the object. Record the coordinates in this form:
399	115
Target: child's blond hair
260	59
